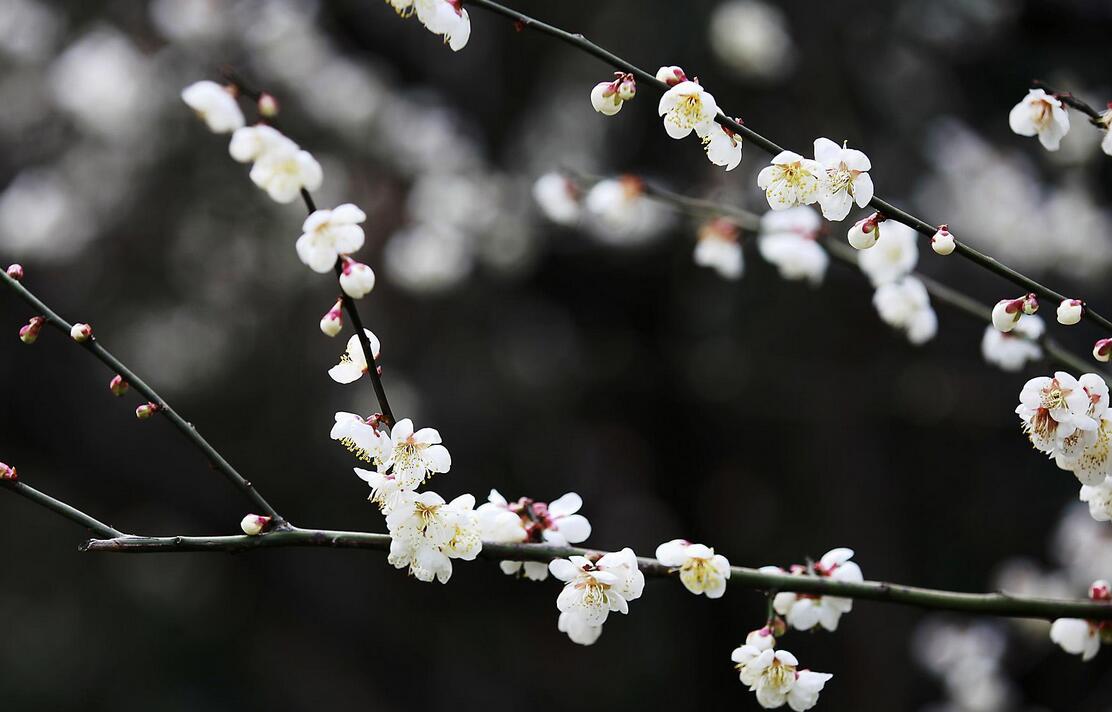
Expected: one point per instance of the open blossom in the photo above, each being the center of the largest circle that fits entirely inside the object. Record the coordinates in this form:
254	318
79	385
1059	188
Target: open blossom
846	179
356	278
1087	453
1052	410
1042	114
412	456
701	570
328	234
776	678
791	180
723	147
250	142
284	172
215	104
353	362
426	533
1069	311
893	256
1082	637
687	107
558	198
557	523
788	239
1012	350
805	611
718	247
593	589
360	437
607	98
447	18
906	305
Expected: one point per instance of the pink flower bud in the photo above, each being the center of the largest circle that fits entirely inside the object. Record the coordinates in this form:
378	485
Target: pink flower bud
943	242
1030	304
118	385
15	272
254	524
1069	311
671	75
30	331
81	332
268	105
7	472
1007	312
1100	591
356	278
865	233
332	322
146	410
627	89
1102	350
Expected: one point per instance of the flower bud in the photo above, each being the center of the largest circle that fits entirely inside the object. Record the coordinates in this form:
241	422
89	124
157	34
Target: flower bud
81	332
332	322
1030	304
865	233
268	105
15	272
628	88
254	524
1006	313
671	75
118	385
1102	350
146	410
605	99
1069	311
1100	591
356	278
943	241
7	472
30	331
761	639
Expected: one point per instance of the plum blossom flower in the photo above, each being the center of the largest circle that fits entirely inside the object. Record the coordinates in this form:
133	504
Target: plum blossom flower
791	180
719	248
1042	114
353	362
556	523
671	75
1088	453
332	323
620	213
723	147
805	611
788	240
1069	311
846	179
410	456
1082	637
1007	312
356	278
1099	499
865	232
687	107
607	98
284	172
558	198
328	234
250	142
775	676
942	242
593	589
906	306
1012	350
427	533
360	437
215	104
701	570
893	257
1052	410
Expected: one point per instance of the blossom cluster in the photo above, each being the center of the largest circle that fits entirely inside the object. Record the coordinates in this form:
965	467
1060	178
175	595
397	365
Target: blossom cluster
774	675
836	178
901	299
805	611
527	520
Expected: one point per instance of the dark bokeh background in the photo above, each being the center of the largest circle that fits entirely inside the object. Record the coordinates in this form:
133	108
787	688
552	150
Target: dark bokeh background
768	419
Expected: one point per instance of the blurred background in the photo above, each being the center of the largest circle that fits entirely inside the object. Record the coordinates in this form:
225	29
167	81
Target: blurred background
767	418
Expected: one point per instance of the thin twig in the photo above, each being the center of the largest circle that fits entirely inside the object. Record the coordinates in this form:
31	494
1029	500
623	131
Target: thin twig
71	513
889	210
93	346
1073	102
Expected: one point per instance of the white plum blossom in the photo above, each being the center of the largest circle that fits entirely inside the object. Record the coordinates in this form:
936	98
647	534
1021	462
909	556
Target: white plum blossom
250	142
1099	499
805	611
356	279
671	75
328	234
906	305
1042	114
1069	311
593	589
353	362
607	98
557	523
447	18
1012	350
865	232
942	242
360	436
687	107
723	147
427	533
701	570
846	179
788	239
332	323
718	246
558	198
620	213
892	257
776	678
1087	453
791	180
284	169
1082	637
411	457
1052	410
215	104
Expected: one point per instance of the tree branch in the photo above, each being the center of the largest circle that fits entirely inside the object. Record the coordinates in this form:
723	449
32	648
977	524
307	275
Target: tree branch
1073	102
59	507
888	209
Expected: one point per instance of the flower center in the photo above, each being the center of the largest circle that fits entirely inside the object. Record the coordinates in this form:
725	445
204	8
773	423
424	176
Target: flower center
687	112
426	514
1054	396
779	676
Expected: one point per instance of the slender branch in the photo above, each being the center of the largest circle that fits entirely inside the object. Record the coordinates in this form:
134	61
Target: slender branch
71	513
889	210
998	604
1073	102
93	346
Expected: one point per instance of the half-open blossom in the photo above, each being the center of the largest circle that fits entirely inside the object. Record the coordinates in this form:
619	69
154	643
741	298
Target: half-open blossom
356	278
558	198
671	76
593	589
776	678
81	332
788	239
1069	311
723	146
1052	409
893	257
865	232
215	104
1012	350
353	362
846	179
942	242
1007	312
7	472
412	456
1042	114
254	524
701	570
29	332
361	437
906	305
1083	637
328	234
426	533
719	248
791	180
557	523
607	98
804	611
333	320
687	107
284	170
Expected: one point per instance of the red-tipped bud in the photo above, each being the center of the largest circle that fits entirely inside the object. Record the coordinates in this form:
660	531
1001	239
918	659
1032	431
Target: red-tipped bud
15	272
865	233
1102	350
7	472
29	332
627	89
671	75
81	332
1030	304
333	320
254	524
146	410
1069	311
1100	591
118	385
268	105
943	242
